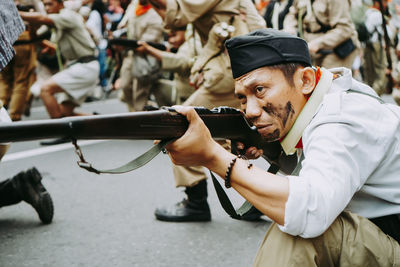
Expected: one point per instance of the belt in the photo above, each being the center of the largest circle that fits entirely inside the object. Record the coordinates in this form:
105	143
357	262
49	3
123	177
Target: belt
389	224
86	59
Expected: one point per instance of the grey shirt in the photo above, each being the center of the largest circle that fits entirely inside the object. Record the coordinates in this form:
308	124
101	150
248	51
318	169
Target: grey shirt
11	26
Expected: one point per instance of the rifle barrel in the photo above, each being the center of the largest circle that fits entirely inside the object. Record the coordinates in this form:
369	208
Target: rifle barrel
146	125
223	122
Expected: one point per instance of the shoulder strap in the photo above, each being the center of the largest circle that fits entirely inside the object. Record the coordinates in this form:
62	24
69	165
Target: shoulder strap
365	93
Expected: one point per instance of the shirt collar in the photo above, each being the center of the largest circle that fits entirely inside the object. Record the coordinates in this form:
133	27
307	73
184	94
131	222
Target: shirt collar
307	113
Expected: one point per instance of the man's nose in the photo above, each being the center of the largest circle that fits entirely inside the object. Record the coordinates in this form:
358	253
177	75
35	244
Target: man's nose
253	109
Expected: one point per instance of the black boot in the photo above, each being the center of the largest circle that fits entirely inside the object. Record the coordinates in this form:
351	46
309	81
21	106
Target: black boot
31	190
193	209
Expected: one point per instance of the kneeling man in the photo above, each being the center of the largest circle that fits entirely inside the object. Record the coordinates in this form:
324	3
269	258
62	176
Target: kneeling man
343	206
81	72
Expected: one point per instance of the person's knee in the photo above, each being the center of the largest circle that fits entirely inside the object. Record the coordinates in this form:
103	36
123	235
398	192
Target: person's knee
46	90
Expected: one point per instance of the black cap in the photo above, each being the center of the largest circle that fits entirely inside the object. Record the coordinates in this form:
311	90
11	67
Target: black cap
265	47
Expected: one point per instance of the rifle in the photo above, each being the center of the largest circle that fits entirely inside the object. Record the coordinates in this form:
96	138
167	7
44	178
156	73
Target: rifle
25	8
164	124
134	43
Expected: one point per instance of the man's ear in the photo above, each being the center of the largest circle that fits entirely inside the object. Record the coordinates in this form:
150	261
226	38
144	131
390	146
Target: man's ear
308	80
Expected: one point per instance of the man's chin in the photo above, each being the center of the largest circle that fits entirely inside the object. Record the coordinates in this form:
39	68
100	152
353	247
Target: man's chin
271	137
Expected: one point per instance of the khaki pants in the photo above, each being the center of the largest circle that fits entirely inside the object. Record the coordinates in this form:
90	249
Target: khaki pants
16	79
190	176
350	241
135	92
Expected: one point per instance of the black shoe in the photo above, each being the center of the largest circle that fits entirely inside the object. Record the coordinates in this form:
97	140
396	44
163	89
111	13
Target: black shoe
184	211
56	141
33	192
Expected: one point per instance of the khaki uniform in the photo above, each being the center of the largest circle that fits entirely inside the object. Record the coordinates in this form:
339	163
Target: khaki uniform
19	75
79	77
136	86
212	66
368	246
334	15
180	63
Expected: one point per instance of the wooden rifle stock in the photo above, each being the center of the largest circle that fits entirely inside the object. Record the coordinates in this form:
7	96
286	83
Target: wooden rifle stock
163	124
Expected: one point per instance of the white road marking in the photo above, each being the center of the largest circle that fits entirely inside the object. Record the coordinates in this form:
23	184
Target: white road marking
46	150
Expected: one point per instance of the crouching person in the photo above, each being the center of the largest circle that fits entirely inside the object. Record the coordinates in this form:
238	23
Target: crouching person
74	43
343	206
68	88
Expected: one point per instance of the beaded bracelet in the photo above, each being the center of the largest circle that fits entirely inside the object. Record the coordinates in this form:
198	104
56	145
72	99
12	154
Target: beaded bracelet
228	173
249	165
229	170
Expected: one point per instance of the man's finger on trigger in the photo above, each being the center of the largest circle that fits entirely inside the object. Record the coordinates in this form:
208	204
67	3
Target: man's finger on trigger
239	145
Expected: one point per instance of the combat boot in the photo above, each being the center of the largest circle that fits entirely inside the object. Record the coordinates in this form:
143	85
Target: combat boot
31	190
192	209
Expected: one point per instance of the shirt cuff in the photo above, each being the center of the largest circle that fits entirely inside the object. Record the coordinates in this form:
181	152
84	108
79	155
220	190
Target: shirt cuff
296	206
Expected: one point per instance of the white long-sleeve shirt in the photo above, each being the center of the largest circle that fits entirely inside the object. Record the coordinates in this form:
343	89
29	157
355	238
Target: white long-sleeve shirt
352	160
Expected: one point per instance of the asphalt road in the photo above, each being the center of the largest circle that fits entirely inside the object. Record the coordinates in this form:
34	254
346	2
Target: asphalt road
108	220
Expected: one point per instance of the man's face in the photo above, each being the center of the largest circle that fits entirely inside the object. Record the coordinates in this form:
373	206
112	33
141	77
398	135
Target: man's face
176	38
52	6
269	101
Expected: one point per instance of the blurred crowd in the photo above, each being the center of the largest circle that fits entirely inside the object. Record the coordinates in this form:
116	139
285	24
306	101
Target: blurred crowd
74	51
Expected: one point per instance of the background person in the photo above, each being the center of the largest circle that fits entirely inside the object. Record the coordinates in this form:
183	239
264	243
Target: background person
67	89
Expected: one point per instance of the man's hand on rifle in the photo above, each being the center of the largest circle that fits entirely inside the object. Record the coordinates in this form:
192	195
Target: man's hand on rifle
196	147
48	47
145	48
250	152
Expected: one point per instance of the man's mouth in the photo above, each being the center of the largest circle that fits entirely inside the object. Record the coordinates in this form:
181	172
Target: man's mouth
263	127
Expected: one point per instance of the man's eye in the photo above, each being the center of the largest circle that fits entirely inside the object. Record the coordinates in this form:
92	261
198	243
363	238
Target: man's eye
260	89
241	98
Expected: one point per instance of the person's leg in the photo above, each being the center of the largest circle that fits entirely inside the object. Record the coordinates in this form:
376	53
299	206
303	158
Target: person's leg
47	93
8	194
126	82
195	207
24	76
27	186
350	241
141	92
6	83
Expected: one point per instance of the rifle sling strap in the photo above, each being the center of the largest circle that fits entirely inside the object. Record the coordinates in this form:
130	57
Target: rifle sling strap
130	166
227	205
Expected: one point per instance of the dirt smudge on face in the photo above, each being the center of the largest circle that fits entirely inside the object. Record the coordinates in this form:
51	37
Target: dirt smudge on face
281	112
